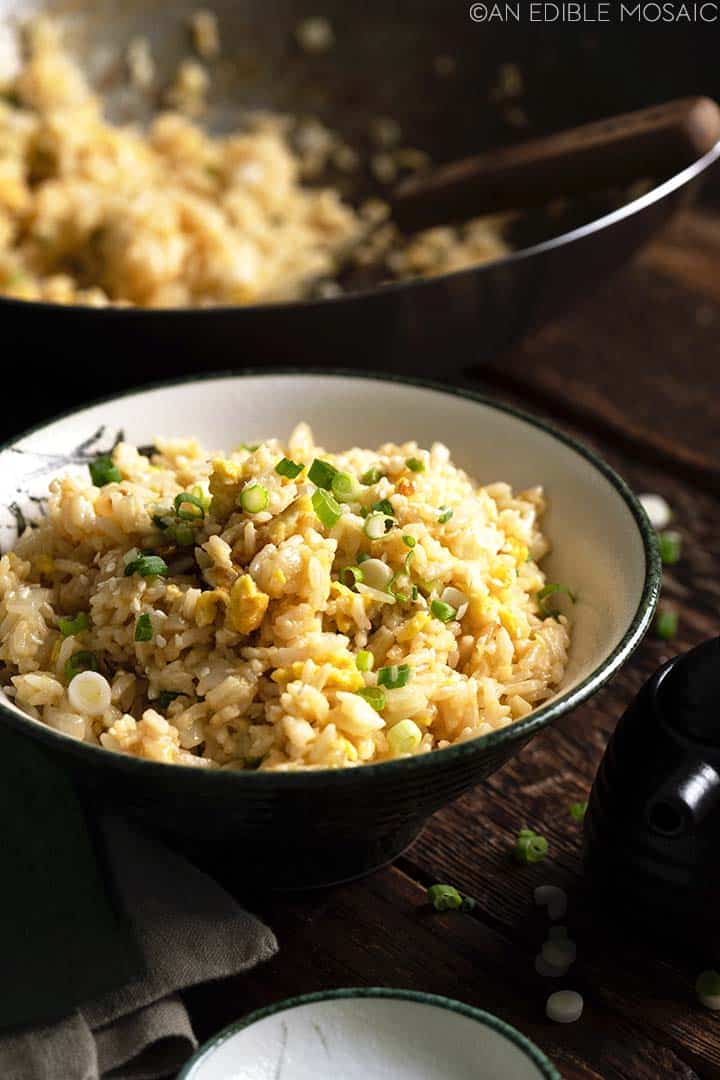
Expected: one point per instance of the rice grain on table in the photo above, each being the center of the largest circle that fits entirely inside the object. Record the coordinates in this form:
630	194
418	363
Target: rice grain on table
243	652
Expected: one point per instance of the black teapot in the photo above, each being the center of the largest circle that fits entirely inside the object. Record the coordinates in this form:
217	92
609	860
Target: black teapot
652	828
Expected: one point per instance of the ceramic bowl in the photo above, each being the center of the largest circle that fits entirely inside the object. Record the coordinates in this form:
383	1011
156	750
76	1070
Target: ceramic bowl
368	1034
309	828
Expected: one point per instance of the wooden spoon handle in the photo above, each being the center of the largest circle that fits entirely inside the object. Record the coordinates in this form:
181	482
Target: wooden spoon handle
651	143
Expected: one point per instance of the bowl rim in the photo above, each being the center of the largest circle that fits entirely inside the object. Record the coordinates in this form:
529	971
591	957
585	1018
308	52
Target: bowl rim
520	730
348	993
612	217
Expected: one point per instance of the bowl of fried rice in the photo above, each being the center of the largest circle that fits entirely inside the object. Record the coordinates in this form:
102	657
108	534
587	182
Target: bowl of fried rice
293	615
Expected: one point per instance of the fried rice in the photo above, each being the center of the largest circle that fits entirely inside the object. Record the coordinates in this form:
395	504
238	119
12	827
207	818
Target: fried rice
279	607
97	213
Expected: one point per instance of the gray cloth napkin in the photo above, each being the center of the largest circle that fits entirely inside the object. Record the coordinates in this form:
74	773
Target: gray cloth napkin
189	931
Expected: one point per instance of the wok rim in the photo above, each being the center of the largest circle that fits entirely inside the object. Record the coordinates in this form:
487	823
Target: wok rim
322	778
614	217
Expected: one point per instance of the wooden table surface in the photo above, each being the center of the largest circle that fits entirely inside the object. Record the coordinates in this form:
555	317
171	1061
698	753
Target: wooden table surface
634	373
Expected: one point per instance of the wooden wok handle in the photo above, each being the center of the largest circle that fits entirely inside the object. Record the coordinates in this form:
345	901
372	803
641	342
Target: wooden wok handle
652	142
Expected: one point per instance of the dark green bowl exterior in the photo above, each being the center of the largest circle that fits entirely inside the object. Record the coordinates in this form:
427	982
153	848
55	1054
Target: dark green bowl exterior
317	827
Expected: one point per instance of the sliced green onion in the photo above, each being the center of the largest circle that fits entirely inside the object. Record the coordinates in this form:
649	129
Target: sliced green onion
384	506
143	628
254	499
345	487
394	677
670	544
544	595
375	526
204	496
364	660
286	467
321	473
444	897
404	737
76	625
187	498
351	575
104	471
666	624
372	476
146	566
444	514
251	447
166	697
80	661
444	612
363	557
183	534
163	520
578	810
530	847
374	696
326	508
409	541
414	592
414	464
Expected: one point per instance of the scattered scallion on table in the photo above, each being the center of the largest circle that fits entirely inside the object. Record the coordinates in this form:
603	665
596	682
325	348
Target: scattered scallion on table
578	810
444	897
665	625
707	988
670	544
530	847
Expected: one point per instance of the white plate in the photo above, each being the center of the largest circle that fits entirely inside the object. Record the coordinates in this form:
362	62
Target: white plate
372	1034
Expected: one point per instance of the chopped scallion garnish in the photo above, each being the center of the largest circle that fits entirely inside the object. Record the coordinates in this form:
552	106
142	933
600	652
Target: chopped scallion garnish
345	487
530	847
326	508
146	566
444	612
189	507
321	473
415	464
254	499
409	541
666	624
444	514
80	661
364	660
376	525
670	544
544	595
351	575
76	625
183	534
394	677
291	469
372	476
143	628
104	471
374	696
444	897
165	697
384	506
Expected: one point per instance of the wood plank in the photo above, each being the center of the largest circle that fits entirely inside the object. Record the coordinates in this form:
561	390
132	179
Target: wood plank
639	361
380	931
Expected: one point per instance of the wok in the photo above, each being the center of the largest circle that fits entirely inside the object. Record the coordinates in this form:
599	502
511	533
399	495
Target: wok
382	64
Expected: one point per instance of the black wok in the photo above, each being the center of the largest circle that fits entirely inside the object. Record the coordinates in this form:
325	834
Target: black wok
383	63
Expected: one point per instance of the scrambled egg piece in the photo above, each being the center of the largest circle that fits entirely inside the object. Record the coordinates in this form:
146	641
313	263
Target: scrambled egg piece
225	482
247	606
